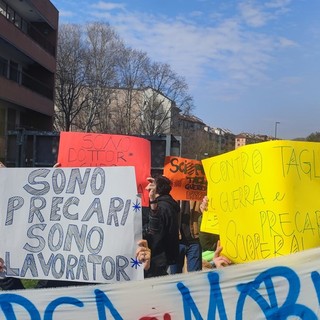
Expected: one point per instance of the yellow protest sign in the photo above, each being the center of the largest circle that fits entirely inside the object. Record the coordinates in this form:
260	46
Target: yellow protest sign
210	222
267	198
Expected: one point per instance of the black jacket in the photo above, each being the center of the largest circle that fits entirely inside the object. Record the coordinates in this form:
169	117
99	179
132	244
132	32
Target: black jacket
162	233
189	216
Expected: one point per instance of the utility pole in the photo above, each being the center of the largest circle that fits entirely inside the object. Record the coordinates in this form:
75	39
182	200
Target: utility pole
276	129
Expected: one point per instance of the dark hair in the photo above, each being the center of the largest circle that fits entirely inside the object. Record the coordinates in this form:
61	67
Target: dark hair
163	185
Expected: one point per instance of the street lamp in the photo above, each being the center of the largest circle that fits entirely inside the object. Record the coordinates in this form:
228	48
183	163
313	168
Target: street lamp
275	129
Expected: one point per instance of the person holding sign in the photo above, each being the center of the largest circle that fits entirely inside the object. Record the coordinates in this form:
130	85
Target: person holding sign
219	260
143	254
162	227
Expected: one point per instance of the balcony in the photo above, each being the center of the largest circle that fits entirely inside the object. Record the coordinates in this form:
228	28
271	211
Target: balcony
39	34
36	39
12	72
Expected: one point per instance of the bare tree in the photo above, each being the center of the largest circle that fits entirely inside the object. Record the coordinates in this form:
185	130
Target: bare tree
131	74
104	86
102	49
70	76
164	80
157	114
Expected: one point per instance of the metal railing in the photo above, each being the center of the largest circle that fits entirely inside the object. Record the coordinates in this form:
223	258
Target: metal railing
24	79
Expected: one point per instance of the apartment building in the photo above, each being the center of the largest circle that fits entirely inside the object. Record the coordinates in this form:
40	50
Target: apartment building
142	111
28	40
244	138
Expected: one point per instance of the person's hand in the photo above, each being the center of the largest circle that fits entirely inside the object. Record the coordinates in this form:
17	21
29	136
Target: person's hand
219	260
143	253
2	266
2	165
151	187
204	204
206	264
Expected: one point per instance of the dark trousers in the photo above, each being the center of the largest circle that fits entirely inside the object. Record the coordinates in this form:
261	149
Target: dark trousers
193	253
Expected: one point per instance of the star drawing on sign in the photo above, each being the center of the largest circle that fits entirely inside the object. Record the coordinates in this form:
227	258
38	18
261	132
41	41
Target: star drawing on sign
136	206
135	263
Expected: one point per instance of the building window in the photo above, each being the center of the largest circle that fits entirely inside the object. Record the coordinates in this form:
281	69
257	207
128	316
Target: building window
14	72
18	21
3	67
3	8
10	14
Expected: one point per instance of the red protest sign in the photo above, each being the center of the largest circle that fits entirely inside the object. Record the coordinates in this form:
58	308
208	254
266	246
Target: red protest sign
78	149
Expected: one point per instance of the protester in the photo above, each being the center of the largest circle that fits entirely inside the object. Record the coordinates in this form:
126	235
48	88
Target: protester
161	229
189	245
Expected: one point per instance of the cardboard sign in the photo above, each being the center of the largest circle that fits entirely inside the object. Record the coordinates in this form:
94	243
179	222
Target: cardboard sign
77	224
266	197
187	176
280	288
78	149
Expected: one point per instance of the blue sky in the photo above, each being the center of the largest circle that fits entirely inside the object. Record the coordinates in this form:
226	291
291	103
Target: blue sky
248	64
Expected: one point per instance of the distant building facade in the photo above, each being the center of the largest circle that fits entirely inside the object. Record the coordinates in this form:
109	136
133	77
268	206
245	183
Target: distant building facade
243	139
151	111
142	111
28	40
200	141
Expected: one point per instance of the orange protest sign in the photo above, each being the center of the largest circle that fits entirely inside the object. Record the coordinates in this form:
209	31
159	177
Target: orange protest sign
188	178
78	149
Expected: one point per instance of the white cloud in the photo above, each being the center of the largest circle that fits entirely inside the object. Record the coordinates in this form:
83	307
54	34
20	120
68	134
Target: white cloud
227	52
108	6
285	43
278	3
65	13
196	13
259	13
253	14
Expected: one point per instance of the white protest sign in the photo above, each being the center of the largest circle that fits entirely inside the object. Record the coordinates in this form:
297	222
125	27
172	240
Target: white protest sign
279	288
77	224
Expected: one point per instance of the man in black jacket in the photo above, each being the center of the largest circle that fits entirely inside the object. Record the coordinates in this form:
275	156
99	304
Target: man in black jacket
162	228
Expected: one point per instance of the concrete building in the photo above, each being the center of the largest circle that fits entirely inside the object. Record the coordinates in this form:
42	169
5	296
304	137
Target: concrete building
143	111
28	40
